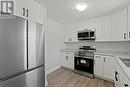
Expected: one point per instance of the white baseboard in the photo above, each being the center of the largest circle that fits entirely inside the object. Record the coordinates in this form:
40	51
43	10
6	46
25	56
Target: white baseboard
52	70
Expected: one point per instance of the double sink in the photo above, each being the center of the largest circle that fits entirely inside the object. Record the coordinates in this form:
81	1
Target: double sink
126	61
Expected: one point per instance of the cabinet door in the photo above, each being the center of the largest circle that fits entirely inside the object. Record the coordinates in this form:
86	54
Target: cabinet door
71	61
18	9
67	60
74	31
103	28
63	59
119	26
87	24
98	66
109	67
67	35
128	22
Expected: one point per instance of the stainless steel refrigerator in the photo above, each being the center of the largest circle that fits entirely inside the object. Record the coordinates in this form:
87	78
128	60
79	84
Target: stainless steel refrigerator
21	53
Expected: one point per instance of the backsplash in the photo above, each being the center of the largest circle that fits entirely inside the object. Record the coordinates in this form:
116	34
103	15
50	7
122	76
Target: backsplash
115	46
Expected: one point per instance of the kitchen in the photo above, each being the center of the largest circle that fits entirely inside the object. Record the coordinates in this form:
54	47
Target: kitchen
65	43
111	44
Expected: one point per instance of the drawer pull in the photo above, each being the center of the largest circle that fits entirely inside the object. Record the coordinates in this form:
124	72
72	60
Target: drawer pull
126	85
98	56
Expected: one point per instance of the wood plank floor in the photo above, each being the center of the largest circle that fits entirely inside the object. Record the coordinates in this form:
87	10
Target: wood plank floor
67	78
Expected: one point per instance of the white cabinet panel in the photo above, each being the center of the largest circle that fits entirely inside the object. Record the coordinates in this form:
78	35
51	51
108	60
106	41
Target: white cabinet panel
119	26
67	60
18	8
104	66
121	79
87	24
31	10
109	67
71	33
74	32
67	34
128	22
99	65
103	28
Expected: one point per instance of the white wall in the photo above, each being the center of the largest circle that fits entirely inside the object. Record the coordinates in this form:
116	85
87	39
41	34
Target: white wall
54	43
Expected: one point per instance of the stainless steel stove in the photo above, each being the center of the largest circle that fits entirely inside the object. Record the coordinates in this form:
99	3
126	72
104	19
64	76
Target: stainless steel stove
84	61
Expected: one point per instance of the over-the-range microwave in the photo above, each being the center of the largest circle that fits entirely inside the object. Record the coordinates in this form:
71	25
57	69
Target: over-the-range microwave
87	34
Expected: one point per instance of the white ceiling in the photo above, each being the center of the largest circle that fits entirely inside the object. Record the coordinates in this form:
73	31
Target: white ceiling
64	10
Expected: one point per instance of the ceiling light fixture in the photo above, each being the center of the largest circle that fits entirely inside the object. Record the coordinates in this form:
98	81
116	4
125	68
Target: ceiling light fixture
81	6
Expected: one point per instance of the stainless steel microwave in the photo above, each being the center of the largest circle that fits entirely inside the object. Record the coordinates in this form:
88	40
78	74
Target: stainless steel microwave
87	34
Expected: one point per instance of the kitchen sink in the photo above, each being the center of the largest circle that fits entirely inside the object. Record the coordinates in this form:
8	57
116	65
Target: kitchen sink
126	61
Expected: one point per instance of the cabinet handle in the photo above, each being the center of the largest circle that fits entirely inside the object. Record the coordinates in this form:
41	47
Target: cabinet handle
67	58
116	73
104	59
126	85
98	56
129	34
23	11
27	13
125	36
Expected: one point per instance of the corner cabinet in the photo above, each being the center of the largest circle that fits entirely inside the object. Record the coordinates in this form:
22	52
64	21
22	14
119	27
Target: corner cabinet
121	79
29	9
104	67
67	60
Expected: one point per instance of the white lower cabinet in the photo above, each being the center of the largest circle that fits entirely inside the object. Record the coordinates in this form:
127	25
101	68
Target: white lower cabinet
104	66
98	66
109	67
121	79
67	60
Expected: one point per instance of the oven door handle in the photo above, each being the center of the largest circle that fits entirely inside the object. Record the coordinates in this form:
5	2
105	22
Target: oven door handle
85	57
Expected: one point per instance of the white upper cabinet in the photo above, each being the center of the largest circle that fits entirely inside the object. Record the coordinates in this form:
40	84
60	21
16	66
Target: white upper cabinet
87	24
128	22
103	28
119	26
18	8
31	10
71	33
67	33
74	30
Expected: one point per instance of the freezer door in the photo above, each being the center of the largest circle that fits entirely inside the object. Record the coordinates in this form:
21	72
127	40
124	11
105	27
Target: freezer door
33	78
35	45
13	58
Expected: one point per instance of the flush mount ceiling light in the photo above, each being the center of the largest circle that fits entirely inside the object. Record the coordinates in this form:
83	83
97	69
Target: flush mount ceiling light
81	6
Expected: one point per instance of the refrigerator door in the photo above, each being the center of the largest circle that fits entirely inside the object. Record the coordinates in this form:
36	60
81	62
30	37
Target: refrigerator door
35	45
33	78
13	58
40	53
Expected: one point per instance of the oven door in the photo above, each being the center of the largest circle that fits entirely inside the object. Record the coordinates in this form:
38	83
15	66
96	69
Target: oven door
84	64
